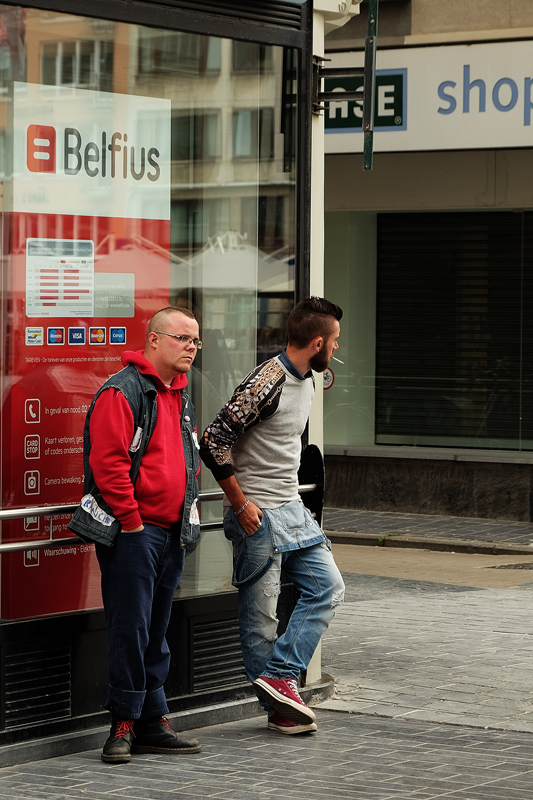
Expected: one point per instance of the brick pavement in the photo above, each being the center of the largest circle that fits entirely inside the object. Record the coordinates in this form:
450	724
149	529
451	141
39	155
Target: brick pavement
434	652
351	757
434	700
428	526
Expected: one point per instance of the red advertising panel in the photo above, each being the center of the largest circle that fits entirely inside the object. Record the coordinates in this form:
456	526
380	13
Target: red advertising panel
89	265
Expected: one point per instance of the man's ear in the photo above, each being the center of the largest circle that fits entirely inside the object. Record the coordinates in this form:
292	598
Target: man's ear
317	343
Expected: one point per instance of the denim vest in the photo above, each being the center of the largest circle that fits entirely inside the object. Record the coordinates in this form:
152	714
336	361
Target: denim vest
93	520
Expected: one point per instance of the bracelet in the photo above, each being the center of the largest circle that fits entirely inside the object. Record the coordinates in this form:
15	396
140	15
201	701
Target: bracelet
241	509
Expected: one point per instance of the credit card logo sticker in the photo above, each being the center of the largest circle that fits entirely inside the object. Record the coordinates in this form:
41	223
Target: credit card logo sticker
117	335
55	335
97	335
34	336
76	335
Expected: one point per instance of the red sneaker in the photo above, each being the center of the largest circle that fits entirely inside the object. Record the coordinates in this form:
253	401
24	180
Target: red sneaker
278	723
283	696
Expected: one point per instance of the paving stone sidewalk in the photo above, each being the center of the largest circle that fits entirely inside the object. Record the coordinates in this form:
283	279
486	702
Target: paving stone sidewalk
407	649
434	700
351	757
428	526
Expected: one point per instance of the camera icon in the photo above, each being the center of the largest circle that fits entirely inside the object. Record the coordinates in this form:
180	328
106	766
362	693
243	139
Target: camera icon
32	482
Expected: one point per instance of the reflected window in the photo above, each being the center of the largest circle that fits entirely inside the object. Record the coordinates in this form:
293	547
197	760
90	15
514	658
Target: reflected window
193	222
253	133
82	63
250	57
265	219
196	136
174	52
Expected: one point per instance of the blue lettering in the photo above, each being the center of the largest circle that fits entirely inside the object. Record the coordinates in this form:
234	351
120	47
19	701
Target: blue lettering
528	100
496	94
467	88
448	98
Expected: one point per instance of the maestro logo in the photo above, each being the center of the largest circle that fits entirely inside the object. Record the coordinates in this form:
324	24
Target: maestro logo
55	335
111	154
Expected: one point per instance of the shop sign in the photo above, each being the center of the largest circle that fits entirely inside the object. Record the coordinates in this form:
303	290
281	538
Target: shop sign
438	98
390	111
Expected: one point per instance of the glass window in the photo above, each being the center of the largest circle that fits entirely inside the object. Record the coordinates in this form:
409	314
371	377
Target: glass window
251	58
436	340
144	167
454	345
170	52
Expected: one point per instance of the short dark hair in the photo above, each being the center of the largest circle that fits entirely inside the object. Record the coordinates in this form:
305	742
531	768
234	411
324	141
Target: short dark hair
310	318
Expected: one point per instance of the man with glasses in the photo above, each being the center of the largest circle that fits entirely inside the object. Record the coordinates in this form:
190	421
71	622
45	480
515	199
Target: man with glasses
253	448
140	508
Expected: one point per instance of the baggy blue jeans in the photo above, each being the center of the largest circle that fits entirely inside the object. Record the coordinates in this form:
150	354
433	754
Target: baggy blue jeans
140	574
257	574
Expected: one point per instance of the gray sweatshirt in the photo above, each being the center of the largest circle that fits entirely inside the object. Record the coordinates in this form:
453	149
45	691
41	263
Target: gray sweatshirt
256	436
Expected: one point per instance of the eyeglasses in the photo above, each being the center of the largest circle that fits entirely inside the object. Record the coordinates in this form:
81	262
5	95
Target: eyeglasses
183	338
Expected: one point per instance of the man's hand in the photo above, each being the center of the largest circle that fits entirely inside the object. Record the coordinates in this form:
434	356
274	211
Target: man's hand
250	518
138	529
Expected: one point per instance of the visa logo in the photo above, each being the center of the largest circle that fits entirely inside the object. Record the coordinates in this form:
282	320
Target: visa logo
76	336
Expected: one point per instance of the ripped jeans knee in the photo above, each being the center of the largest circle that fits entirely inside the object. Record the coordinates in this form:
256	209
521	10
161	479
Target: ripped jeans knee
272	588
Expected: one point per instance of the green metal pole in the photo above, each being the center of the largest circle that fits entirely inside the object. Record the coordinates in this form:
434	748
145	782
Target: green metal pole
370	93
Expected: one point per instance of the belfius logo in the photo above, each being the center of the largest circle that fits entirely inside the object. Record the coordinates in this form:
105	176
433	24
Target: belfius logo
41	148
113	155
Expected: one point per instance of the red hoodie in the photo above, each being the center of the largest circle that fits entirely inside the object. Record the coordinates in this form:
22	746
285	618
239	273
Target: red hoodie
159	490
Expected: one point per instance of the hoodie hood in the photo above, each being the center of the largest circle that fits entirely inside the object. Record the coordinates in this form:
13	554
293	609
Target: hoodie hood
137	358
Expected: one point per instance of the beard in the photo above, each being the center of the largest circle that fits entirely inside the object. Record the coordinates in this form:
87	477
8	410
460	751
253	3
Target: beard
320	361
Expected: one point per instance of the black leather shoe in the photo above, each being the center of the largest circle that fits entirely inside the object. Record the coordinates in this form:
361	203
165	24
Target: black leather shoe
117	748
157	736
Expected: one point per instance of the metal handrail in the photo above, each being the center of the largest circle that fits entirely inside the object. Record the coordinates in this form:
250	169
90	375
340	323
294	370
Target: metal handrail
51	511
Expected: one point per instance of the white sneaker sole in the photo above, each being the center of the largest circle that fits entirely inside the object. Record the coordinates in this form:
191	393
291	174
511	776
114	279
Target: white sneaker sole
293	729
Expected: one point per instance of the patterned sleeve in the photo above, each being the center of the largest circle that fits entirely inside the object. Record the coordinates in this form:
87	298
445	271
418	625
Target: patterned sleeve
255	399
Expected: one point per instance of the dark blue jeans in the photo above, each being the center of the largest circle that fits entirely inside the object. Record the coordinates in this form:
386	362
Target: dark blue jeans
140	574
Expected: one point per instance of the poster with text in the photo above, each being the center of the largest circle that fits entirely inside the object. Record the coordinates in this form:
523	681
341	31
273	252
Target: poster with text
88	265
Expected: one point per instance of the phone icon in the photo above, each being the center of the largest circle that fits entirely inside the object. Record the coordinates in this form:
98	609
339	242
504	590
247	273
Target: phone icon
32	410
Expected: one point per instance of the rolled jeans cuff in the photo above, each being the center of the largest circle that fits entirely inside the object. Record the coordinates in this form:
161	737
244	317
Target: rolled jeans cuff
133	705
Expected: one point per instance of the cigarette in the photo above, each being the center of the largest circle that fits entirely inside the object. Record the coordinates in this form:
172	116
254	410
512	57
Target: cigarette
337	359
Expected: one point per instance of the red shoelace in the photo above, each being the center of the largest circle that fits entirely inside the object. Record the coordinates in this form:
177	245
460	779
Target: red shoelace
124	727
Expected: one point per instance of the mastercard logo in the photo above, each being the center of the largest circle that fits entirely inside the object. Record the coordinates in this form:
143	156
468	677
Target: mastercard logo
97	335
